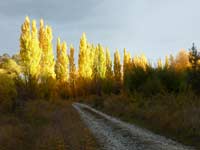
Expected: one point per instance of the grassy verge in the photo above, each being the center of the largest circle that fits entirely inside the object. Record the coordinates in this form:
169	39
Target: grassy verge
41	125
174	116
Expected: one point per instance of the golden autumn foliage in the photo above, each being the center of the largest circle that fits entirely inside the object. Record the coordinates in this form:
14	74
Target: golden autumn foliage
36	51
92	55
47	59
82	55
72	71
140	61
11	67
127	62
117	66
25	39
181	60
62	62
99	66
72	65
159	64
167	63
84	59
94	63
30	53
109	72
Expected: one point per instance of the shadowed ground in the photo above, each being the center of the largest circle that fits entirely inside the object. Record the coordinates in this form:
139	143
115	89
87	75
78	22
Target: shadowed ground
45	126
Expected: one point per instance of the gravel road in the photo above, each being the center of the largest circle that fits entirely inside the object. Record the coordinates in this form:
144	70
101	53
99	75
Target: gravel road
114	134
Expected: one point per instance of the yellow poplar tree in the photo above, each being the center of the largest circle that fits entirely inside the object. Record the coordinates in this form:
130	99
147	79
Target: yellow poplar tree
159	64
109	72
117	66
82	56
47	61
140	61
102	62
62	62
58	65
182	60
30	52
84	60
72	68
91	59
167	65
95	74
127	62
99	66
25	51
36	51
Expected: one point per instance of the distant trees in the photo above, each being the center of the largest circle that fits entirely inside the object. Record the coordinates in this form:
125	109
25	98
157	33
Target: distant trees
109	71
84	59
182	60
99	63
62	62
194	58
99	68
194	73
72	72
117	66
30	52
109	76
95	73
47	59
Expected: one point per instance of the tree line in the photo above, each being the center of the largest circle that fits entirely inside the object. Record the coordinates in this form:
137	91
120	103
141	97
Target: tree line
42	75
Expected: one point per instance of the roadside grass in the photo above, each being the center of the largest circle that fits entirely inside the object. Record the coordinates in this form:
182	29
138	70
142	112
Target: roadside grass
174	116
43	125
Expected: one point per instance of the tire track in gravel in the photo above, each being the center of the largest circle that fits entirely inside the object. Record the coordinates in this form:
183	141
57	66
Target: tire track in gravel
114	134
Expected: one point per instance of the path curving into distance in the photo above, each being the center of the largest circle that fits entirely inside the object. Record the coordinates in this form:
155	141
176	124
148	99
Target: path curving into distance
114	134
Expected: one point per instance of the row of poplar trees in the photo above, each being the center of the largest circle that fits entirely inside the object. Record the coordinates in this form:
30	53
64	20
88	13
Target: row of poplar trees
95	69
95	72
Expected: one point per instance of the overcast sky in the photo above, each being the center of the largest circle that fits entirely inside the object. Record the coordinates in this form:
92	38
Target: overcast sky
154	27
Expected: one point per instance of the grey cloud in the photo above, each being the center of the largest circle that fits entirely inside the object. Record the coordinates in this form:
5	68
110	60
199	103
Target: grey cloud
55	10
153	27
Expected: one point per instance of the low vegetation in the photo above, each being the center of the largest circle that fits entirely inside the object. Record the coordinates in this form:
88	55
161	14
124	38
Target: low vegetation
175	116
43	125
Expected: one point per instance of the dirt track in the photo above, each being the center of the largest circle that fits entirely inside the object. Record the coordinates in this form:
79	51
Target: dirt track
114	134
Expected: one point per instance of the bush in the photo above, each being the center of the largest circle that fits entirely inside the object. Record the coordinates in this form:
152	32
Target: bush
8	92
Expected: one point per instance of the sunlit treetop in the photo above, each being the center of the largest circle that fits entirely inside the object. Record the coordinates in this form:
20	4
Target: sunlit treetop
102	59
159	64
117	66
30	52
62	62
72	66
26	25
47	61
182	60
109	72
36	51
127	61
140	61
83	42
84	59
167	63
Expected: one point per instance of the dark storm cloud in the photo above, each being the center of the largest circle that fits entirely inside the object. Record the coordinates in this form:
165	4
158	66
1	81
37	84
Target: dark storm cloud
64	10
